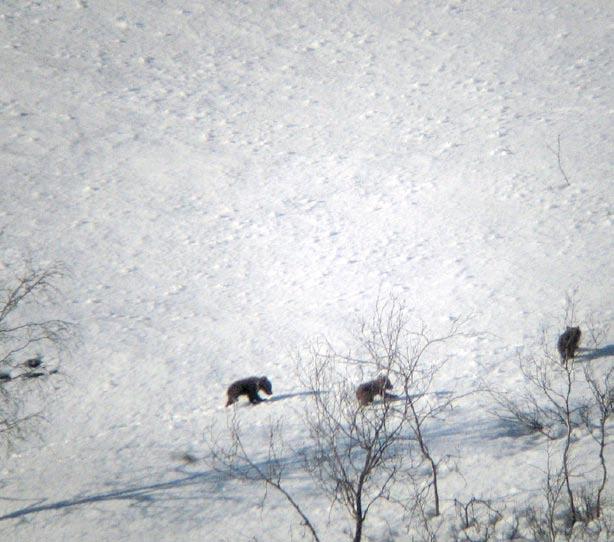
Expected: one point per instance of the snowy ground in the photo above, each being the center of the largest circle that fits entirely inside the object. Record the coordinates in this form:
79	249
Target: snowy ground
228	179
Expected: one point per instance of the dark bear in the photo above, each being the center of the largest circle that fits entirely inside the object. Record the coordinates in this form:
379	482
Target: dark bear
250	387
366	392
568	342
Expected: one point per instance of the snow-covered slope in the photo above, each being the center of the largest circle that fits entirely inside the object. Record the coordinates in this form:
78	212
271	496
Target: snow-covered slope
228	179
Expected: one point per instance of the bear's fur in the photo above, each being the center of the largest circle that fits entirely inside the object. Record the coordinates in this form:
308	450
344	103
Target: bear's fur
568	342
366	392
250	387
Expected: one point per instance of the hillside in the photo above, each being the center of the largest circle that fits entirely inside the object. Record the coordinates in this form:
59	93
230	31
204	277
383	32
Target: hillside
227	181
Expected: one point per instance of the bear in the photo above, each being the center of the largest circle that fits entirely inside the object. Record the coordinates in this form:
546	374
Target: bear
568	342
250	387
366	392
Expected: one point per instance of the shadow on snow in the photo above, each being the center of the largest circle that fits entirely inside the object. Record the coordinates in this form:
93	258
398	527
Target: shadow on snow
296	394
194	486
588	354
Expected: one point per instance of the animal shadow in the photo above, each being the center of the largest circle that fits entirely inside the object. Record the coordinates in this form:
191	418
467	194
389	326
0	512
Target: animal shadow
406	398
588	354
283	396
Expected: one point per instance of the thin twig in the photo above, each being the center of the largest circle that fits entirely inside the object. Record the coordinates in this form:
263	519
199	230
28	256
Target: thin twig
557	153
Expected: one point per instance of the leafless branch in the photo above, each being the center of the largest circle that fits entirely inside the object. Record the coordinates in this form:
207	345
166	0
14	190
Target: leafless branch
557	153
236	461
362	452
602	390
30	293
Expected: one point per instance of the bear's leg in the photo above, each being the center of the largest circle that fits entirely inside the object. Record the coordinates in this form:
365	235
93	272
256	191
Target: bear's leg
254	398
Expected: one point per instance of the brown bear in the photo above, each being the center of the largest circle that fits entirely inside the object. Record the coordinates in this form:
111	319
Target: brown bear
366	392
568	342
250	387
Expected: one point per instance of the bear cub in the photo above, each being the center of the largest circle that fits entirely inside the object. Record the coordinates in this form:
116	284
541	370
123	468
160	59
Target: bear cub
366	392
250	387
568	342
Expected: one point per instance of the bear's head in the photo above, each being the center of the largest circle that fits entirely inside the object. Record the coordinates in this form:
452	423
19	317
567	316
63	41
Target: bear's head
265	385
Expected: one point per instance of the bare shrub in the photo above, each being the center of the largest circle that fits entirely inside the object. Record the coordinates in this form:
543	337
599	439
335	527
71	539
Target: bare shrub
601	386
356	453
559	397
26	341
543	522
239	461
544	403
417	375
477	520
361	454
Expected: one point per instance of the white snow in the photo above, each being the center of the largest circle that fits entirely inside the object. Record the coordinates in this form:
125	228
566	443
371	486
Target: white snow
227	180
